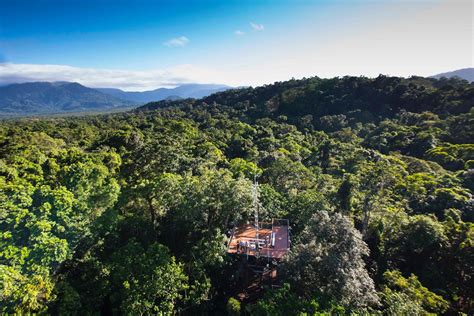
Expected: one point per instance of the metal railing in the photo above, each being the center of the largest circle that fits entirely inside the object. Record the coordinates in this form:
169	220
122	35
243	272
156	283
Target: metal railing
282	222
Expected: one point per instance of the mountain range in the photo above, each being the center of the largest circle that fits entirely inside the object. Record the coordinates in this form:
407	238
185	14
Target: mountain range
184	91
54	97
37	98
465	73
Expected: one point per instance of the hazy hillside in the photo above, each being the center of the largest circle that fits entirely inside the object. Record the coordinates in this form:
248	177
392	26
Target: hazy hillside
46	97
183	91
466	74
67	97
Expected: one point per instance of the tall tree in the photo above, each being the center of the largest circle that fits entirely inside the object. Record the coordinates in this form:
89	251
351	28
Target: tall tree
328	263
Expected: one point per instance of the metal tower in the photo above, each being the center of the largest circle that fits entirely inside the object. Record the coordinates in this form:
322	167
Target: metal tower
256	207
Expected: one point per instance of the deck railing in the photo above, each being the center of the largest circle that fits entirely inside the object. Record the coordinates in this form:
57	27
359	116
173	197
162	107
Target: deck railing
282	222
261	246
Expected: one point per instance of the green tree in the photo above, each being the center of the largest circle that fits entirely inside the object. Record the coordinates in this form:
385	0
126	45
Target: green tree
328	263
409	296
150	281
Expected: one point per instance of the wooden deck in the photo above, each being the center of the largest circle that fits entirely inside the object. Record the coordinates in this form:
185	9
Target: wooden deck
247	234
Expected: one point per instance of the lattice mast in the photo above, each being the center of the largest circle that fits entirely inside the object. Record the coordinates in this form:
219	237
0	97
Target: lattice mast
256	207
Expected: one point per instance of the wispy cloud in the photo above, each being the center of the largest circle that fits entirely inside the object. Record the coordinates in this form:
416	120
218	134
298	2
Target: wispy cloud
257	27
123	79
239	33
177	42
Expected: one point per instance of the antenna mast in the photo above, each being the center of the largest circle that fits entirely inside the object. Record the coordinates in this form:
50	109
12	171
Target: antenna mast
255	205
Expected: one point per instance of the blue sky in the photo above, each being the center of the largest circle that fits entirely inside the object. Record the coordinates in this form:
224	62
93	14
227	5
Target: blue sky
138	45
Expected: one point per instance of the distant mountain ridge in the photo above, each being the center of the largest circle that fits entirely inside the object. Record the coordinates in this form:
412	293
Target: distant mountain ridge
183	91
465	73
37	98
54	97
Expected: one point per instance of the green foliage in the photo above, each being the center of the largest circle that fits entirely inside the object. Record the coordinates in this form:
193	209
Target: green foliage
46	215
130	212
151	280
284	301
402	294
233	307
452	156
240	167
328	263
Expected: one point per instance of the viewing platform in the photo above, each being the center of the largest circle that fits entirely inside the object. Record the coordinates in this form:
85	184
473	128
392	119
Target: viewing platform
270	240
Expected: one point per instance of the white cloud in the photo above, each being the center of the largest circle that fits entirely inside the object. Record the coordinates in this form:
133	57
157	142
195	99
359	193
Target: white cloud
239	33
257	27
177	42
367	44
123	79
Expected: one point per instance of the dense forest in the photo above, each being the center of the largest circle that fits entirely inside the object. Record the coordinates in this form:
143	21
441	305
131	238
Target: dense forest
129	213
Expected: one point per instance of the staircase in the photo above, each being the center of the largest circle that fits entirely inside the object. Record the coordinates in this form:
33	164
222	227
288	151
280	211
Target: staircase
260	279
